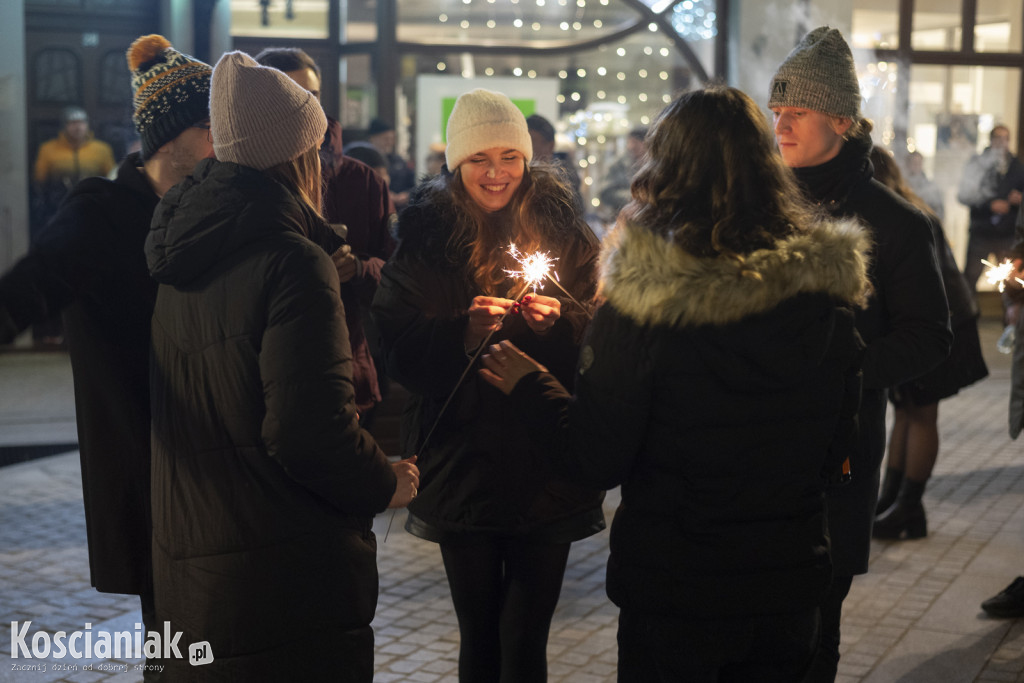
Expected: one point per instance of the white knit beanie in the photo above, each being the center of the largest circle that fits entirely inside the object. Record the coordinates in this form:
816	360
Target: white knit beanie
483	119
819	74
258	116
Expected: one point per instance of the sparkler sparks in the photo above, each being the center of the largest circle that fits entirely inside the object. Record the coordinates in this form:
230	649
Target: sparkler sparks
535	266
998	275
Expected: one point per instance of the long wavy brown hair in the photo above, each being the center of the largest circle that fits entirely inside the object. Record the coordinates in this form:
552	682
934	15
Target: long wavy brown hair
532	220
301	175
713	179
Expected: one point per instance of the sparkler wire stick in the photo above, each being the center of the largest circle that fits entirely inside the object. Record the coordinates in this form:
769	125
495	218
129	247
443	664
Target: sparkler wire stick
458	383
556	283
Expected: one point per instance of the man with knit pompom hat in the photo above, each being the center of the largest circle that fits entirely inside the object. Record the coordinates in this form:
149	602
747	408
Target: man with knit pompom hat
89	263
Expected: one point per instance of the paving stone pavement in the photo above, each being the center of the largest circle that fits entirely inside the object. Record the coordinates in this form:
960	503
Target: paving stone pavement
913	619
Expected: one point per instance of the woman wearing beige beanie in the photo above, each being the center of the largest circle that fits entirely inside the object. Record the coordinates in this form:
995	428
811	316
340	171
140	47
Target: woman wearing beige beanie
264	485
503	518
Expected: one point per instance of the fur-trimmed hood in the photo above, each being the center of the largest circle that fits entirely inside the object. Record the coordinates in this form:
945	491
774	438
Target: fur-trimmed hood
654	281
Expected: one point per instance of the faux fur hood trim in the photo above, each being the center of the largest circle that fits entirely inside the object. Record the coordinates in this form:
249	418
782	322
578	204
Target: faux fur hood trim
653	280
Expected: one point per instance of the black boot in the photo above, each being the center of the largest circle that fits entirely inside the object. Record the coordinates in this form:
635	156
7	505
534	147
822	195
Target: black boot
905	518
890	489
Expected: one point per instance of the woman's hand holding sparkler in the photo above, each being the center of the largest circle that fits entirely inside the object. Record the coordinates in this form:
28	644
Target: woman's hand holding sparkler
408	482
541	312
505	365
485	316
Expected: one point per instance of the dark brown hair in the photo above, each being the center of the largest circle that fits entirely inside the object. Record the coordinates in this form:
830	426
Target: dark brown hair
713	179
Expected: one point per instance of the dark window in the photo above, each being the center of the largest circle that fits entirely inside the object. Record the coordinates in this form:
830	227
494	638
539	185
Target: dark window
57	77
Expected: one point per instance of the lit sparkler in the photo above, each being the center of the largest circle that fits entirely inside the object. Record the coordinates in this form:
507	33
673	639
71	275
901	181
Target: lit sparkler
999	275
535	266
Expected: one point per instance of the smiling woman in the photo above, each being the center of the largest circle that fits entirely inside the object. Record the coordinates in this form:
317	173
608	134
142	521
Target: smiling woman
503	519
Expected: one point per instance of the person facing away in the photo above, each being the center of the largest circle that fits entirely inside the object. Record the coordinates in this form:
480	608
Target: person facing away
718	385
354	196
914	437
991	187
822	137
503	519
89	264
264	484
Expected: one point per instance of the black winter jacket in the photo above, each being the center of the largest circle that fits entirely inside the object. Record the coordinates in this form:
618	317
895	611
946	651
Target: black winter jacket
479	472
89	264
905	326
719	395
264	485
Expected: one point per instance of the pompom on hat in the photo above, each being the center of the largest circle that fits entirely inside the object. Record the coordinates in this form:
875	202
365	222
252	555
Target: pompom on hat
259	116
819	74
170	91
483	119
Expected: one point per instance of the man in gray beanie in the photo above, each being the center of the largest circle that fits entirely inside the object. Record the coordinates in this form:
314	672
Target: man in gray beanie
815	100
89	263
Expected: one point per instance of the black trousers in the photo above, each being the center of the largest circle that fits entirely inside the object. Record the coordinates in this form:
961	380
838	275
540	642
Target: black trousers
668	649
826	657
505	592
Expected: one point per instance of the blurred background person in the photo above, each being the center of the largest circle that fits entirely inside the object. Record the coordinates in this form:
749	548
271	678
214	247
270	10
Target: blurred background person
914	437
718	385
381	134
614	193
503	519
991	188
542	134
435	160
60	164
923	186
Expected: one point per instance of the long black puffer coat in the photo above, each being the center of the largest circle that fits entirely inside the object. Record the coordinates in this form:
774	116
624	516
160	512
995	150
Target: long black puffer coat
479	472
264	486
721	395
89	264
905	326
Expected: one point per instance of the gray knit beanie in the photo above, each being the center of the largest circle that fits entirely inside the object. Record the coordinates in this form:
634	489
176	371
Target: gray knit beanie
819	74
482	119
259	117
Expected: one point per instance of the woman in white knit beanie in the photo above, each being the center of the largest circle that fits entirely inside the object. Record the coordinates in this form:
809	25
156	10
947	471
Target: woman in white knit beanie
503	518
264	485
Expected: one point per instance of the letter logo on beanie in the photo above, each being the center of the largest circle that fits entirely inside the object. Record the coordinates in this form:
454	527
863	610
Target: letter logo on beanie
819	74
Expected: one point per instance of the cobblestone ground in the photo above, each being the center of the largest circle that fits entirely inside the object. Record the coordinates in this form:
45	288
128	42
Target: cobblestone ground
913	619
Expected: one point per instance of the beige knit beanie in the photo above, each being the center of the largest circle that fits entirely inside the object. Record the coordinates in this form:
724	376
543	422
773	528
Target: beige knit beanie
482	119
259	117
819	74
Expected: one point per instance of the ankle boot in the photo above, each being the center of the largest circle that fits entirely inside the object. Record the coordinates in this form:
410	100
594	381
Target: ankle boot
890	489
905	518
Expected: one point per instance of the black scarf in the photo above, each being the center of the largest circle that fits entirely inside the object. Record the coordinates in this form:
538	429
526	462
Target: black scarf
830	182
